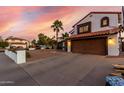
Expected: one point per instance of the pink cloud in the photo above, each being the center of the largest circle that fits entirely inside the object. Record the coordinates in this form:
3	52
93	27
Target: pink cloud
12	18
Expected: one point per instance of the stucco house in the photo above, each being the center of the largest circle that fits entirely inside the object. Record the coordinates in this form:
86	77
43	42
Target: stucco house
97	33
17	42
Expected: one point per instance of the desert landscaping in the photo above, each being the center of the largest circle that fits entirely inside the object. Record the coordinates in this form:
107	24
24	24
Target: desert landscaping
42	54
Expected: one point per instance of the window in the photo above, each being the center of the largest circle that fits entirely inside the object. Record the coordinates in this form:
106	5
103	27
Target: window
104	22
84	28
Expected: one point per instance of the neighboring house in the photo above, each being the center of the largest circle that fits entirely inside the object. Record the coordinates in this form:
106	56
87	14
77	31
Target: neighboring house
17	42
97	33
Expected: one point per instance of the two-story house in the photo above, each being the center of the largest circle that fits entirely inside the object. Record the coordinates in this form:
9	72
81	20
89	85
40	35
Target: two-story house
97	33
17	42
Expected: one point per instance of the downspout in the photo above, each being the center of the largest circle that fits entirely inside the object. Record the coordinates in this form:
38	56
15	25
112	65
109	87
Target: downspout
122	15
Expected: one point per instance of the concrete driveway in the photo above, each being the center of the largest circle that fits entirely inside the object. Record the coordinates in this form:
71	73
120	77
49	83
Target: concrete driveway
13	74
65	69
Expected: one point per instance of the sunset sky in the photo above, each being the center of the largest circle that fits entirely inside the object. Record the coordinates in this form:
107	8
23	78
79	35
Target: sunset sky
28	22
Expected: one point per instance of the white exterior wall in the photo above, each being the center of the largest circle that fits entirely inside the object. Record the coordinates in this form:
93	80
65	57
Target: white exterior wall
113	45
17	45
95	20
19	57
63	46
17	41
11	55
122	19
122	34
69	46
31	48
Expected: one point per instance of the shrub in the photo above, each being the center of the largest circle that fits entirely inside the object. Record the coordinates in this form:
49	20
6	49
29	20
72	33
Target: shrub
3	44
12	49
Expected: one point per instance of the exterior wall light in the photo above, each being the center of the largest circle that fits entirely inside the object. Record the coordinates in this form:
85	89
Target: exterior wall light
69	46
69	43
111	41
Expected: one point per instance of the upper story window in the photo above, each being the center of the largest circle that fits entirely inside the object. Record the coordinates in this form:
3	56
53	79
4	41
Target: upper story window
84	28
104	22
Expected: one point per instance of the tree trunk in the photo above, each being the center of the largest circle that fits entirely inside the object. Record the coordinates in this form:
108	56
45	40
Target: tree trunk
57	39
57	36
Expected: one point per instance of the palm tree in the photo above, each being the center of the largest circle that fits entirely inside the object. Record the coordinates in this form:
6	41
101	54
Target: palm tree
65	35
57	26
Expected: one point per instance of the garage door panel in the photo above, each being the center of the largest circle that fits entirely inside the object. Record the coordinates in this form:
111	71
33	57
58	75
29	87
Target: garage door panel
90	46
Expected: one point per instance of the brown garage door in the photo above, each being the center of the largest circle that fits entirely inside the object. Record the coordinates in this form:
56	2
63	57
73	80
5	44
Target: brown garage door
90	46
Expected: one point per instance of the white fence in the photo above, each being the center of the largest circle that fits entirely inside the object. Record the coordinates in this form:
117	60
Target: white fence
19	57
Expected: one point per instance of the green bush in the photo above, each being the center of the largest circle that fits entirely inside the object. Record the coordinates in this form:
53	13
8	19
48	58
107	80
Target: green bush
3	44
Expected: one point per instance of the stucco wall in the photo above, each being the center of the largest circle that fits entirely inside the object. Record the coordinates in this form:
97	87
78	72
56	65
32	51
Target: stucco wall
11	55
122	34
96	21
113	45
19	57
17	45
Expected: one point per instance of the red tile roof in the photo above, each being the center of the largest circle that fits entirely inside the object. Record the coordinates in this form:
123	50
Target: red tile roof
93	34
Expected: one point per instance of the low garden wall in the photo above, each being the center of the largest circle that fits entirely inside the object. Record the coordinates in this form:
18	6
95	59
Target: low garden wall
19	56
31	48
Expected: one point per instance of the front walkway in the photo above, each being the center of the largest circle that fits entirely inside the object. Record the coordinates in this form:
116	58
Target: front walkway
64	69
